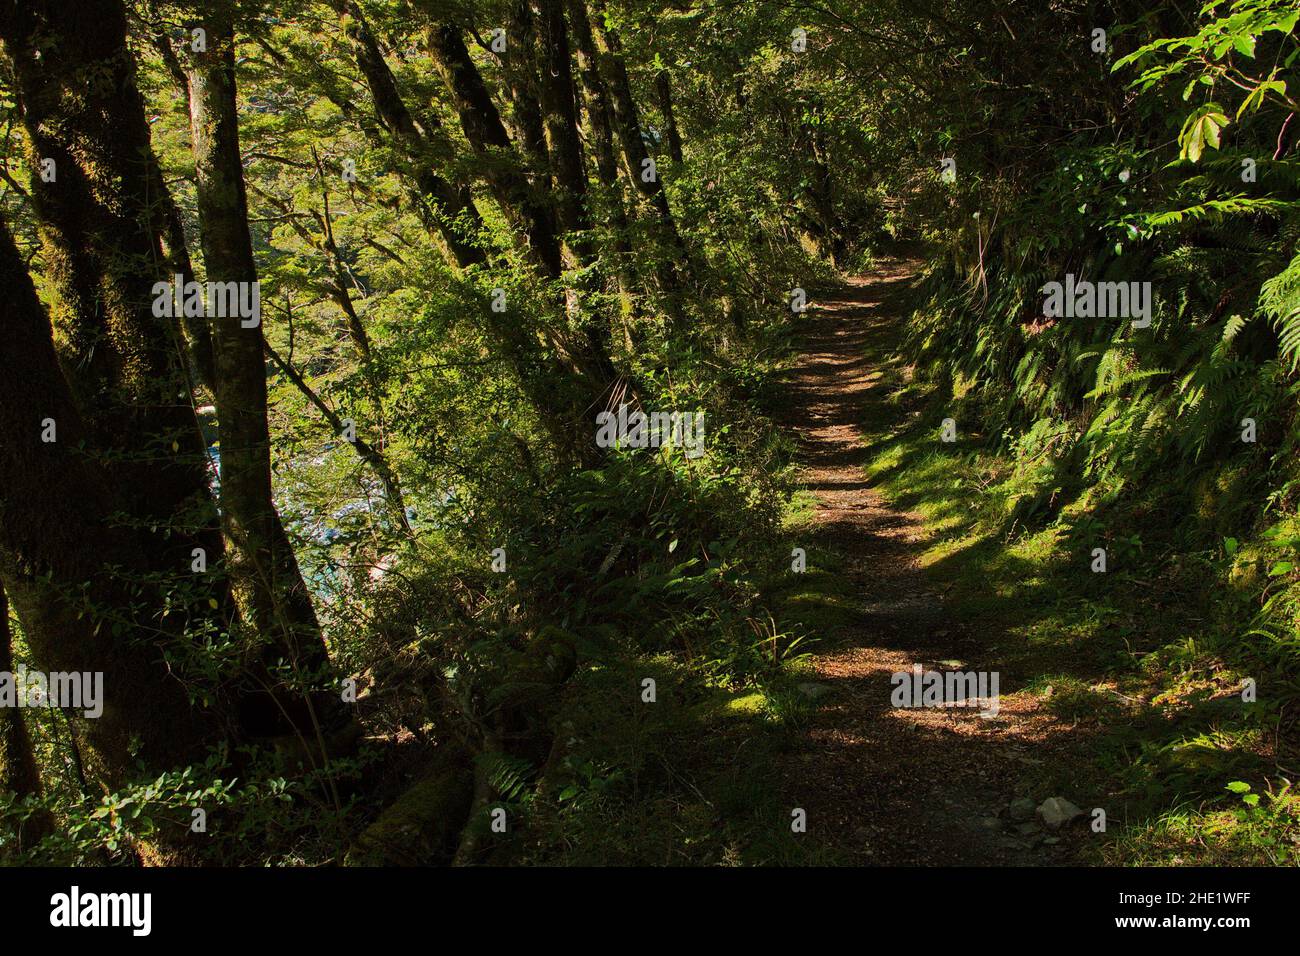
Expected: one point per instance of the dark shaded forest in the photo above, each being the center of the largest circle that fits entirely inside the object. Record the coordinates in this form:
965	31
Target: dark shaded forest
566	432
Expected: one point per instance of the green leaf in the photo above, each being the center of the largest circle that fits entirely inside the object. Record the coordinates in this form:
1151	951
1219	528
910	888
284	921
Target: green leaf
1256	97
1239	786
1202	129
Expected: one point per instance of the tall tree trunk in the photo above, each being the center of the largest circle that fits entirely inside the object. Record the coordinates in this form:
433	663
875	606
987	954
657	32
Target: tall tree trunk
636	157
520	61
198	334
481	122
601	135
664	90
267	585
87	597
456	218
820	219
18	773
561	111
487	136
559	101
98	217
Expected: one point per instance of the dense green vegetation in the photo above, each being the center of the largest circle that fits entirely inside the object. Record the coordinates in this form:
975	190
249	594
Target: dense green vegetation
360	576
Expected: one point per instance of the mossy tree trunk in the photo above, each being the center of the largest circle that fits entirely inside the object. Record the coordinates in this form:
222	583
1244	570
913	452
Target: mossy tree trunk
86	595
545	380
569	175
99	208
18	773
455	218
274	604
487	136
522	78
600	133
664	91
673	267
535	220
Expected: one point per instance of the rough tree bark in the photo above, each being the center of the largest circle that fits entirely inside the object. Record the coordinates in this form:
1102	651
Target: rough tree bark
542	376
664	91
99	212
274	603
487	136
81	584
560	109
534	218
526	108
559	102
18	773
609	56
601	135
456	218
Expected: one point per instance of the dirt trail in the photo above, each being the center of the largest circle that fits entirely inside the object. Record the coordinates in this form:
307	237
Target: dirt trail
881	784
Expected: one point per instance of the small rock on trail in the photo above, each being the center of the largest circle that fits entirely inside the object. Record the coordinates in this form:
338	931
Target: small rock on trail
1057	811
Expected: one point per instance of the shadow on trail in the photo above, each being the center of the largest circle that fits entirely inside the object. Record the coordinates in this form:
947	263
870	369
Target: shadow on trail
882	784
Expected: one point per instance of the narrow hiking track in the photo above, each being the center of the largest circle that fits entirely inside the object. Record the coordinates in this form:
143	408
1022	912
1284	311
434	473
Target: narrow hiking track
881	784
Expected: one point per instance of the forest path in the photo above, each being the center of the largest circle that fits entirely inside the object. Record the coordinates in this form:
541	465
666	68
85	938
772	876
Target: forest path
880	784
